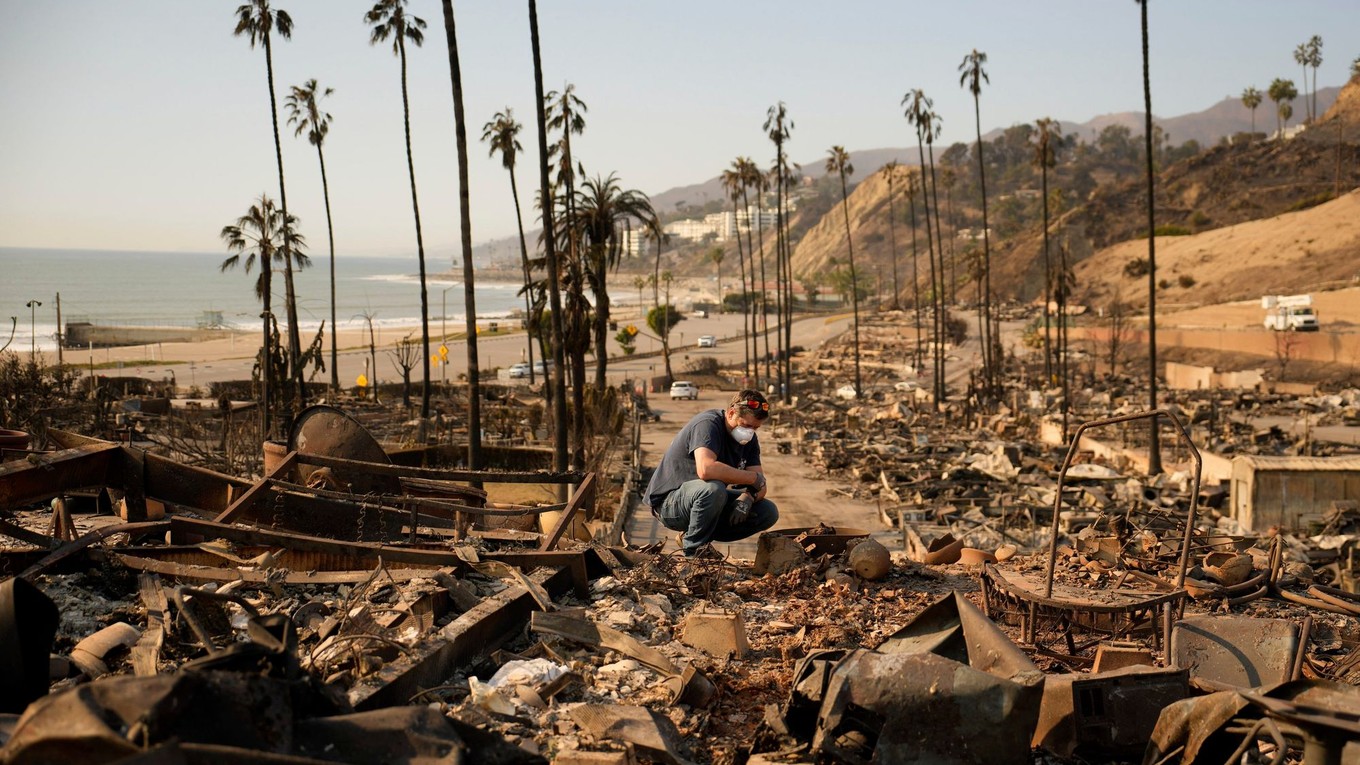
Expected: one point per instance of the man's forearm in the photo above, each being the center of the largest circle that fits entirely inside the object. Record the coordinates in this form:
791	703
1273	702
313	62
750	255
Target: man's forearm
720	471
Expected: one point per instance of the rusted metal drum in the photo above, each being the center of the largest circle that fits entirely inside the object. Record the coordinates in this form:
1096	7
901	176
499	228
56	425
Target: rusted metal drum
326	431
13	444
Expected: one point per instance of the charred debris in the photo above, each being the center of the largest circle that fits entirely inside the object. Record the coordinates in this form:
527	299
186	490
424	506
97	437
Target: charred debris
1019	601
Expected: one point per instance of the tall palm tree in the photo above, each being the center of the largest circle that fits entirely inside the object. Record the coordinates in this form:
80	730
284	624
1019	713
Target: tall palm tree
566	114
972	77
949	176
261	235
602	207
1315	61
559	392
501	135
1251	98
753	181
735	185
919	115
258	21
716	257
389	19
778	128
1062	288
1154	443
1044	157
838	161
890	171
1282	92
791	174
915	273
469	275
304	111
1301	58
933	129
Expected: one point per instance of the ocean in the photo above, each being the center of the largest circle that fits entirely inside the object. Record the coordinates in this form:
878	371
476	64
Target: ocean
177	289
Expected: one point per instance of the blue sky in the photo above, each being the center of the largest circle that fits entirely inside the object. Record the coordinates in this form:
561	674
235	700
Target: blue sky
146	126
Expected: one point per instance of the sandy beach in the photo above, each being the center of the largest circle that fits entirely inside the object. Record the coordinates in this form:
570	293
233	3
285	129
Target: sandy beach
231	357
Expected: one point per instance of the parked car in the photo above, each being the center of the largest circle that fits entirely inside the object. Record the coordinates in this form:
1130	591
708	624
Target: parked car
847	392
521	370
683	389
906	386
708	341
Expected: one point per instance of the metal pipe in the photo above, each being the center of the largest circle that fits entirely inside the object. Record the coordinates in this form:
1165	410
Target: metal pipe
1067	463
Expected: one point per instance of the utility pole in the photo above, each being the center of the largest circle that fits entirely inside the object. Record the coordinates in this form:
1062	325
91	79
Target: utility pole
61	338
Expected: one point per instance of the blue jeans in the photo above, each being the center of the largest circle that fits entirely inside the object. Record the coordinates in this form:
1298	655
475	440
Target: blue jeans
700	509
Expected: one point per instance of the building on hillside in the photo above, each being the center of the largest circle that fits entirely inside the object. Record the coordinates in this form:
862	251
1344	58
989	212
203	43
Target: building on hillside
1290	492
720	226
691	229
632	243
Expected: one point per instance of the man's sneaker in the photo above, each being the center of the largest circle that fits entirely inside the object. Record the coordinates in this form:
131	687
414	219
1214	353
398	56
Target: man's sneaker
705	552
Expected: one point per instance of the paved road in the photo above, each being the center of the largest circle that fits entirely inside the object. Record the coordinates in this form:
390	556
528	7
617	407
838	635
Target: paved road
493	351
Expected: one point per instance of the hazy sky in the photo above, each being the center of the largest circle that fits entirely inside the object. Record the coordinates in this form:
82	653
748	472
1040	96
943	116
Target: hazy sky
145	125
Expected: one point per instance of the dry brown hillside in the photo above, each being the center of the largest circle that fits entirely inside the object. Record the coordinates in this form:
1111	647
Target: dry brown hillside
1301	251
868	203
1212	195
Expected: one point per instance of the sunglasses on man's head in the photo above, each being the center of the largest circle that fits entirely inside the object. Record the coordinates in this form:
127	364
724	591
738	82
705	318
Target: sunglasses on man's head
760	408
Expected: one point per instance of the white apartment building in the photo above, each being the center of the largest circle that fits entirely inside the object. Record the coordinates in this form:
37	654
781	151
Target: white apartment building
720	226
632	242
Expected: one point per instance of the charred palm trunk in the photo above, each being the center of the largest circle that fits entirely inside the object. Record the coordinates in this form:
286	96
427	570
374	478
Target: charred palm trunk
934	291
420	243
578	349
330	236
290	297
754	304
892	239
601	324
530	329
469	277
764	323
1064	370
787	389
1048	281
1154	444
989	354
559	392
942	321
745	316
854	280
915	275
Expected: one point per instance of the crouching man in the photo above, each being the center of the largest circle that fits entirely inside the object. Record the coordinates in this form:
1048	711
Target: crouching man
710	485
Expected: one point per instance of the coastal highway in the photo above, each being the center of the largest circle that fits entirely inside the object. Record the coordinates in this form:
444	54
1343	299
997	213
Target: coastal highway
202	363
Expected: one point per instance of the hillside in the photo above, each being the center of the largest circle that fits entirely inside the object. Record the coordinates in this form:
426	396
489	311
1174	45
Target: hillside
1295	252
1225	118
1217	190
699	194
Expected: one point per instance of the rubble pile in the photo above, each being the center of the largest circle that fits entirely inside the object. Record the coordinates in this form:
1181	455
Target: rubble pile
343	608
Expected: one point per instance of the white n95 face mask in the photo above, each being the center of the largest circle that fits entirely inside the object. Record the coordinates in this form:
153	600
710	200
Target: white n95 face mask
743	435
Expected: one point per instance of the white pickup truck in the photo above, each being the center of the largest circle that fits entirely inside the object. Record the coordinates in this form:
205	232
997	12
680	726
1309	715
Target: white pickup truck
1290	313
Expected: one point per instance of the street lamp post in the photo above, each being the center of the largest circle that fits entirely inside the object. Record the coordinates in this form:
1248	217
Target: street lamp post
33	306
444	337
444	313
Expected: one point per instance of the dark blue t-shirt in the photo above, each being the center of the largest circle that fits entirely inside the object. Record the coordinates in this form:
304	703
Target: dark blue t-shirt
707	429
